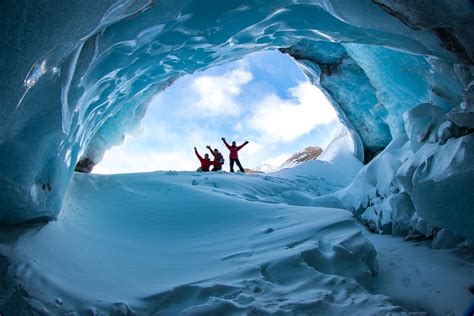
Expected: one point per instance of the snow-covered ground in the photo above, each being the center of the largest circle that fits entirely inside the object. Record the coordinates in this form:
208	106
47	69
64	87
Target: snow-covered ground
423	279
79	77
220	243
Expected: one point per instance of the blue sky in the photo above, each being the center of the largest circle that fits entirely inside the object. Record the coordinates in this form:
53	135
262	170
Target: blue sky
263	98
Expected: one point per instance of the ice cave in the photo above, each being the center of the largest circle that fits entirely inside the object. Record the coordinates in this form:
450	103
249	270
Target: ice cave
381	223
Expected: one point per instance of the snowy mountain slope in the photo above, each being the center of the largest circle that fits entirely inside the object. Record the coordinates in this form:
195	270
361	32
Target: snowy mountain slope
308	153
300	185
265	168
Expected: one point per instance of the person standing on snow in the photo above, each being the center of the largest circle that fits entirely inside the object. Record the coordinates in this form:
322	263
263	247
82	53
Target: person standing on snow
233	155
218	159
205	162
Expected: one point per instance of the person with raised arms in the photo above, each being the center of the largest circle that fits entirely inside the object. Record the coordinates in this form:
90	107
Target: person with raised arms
205	162
234	155
218	158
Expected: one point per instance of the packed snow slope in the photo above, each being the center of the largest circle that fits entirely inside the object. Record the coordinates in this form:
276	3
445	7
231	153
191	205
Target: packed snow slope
193	243
76	77
170	243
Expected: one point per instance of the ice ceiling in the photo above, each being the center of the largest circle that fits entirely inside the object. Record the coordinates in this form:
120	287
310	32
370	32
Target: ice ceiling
76	76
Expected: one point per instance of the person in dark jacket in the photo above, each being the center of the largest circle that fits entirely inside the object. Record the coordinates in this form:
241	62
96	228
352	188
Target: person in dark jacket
234	155
205	162
218	159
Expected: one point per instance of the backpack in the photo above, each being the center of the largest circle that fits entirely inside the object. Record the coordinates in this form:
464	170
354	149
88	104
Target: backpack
220	158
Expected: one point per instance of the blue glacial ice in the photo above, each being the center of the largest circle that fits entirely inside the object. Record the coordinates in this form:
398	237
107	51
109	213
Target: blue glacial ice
77	77
237	244
230	247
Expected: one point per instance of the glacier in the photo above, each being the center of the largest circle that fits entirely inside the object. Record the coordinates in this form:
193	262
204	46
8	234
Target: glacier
130	244
77	77
84	73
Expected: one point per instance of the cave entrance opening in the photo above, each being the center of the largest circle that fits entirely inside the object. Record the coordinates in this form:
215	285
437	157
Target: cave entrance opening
263	98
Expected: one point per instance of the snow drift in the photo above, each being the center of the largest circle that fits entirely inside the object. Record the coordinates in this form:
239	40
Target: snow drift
235	245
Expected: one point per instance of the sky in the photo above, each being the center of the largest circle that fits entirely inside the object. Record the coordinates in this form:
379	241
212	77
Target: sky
263	98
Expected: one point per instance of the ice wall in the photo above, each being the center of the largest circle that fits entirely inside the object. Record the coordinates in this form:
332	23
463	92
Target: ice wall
76	77
420	186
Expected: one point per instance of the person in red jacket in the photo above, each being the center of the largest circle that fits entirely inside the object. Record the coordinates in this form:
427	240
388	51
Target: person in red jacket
218	159
205	162
233	155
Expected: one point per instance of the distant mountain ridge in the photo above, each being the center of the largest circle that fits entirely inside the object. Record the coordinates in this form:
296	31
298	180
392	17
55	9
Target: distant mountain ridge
308	153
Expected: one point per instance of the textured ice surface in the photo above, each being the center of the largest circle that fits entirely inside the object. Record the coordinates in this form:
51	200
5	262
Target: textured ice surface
77	77
230	247
420	183
424	279
236	244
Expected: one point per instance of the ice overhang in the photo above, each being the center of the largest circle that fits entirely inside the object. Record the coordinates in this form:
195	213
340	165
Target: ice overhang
77	77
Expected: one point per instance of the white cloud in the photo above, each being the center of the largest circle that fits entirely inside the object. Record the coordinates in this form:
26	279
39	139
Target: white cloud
191	113
252	148
237	127
217	93
286	120
100	169
162	148
130	162
276	161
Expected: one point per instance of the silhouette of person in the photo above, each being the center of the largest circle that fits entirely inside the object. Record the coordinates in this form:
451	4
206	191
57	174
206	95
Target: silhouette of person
205	162
234	155
218	159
